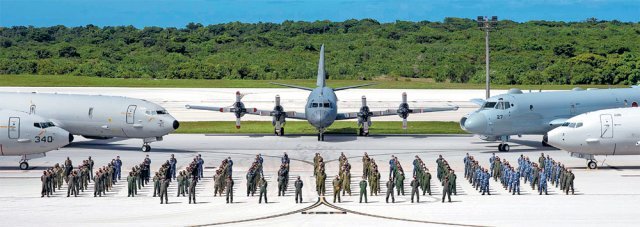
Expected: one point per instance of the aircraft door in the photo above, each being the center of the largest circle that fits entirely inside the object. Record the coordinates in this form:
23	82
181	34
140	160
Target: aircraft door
14	127
606	126
131	113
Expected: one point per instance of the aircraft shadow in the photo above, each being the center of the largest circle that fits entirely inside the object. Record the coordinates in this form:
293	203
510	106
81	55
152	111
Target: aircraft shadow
121	147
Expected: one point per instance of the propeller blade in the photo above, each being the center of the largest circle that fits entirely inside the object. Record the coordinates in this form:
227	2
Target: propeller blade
364	100
277	100
238	96
404	97
238	123
404	123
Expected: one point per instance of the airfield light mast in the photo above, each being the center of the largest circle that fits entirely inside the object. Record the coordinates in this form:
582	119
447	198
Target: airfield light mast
486	24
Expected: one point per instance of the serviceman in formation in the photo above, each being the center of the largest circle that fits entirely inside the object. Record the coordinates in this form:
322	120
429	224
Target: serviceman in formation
363	189
283	175
131	185
446	190
477	175
543	183
373	176
253	177
156	184
445	171
421	172
336	189
398	176
390	186
229	191
298	184
366	161
146	170
345	175
415	184
320	174
182	182
263	190
45	178
172	164
118	168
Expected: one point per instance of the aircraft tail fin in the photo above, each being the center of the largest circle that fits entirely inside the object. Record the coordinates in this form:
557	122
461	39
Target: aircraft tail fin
321	73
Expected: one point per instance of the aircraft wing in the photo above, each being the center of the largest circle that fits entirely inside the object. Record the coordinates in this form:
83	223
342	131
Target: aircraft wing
389	112
252	111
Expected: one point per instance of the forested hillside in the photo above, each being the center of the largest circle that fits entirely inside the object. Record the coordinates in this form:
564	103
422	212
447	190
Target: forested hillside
535	52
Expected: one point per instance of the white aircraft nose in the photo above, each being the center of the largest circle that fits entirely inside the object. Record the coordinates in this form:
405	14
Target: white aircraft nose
556	138
62	137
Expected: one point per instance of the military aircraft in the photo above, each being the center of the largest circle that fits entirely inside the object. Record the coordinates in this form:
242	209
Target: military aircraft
97	116
518	113
29	136
602	132
321	109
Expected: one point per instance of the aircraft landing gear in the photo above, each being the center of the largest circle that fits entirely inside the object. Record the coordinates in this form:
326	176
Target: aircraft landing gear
24	165
503	147
592	164
361	132
320	136
146	147
281	133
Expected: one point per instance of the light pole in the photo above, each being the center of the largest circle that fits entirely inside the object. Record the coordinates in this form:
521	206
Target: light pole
486	25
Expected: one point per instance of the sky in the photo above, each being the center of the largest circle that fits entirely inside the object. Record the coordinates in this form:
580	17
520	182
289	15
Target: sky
178	13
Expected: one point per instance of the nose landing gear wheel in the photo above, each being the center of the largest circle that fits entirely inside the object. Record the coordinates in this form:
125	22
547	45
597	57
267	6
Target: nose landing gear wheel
24	165
592	164
146	148
361	132
503	147
282	131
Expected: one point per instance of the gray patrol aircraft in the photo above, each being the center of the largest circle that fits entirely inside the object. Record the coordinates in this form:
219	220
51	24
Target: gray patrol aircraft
97	116
518	113
29	136
321	109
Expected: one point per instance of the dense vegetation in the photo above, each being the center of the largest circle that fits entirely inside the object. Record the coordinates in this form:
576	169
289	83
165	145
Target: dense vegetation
535	52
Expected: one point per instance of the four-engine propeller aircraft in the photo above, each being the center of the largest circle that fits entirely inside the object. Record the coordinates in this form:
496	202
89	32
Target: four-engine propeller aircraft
517	113
29	136
321	109
97	116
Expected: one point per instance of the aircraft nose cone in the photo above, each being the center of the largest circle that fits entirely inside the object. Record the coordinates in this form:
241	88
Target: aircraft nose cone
176	124
555	138
318	118
475	123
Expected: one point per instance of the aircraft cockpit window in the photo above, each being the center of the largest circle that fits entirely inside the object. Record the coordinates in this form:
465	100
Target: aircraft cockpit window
502	105
327	105
489	105
161	112
507	105
314	105
43	124
565	124
572	125
148	112
579	124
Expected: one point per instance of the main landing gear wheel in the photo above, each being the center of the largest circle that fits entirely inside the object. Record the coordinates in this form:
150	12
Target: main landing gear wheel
24	165
592	164
282	131
361	132
503	147
320	137
146	148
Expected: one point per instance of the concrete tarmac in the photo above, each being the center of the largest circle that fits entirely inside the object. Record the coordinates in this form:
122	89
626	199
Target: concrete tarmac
603	197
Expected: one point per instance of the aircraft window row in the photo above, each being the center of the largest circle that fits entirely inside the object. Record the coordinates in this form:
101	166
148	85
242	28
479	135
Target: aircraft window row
319	105
43	124
157	112
572	124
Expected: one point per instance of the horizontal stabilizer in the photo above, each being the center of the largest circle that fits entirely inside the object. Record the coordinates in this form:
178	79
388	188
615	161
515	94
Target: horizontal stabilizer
354	86
293	86
479	102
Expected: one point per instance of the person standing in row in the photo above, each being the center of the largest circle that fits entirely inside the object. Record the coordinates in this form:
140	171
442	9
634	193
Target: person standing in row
363	189
298	184
263	190
415	190
336	189
229	187
390	186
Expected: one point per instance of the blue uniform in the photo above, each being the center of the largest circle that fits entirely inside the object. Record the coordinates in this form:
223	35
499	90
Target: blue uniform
515	182
543	184
118	168
172	164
